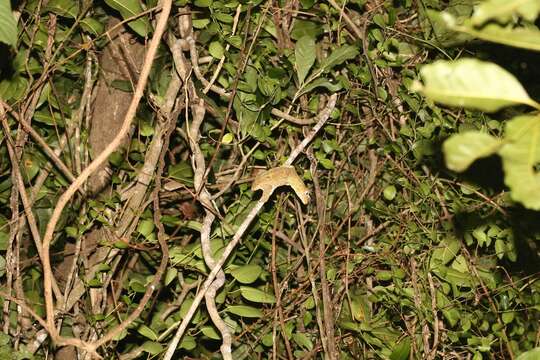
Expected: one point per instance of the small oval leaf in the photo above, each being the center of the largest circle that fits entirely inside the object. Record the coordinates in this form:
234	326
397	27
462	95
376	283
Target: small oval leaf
256	295
247	274
245	311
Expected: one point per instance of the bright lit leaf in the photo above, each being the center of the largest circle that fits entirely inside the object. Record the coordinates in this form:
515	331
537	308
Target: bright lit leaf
525	38
520	158
472	83
505	10
227	138
533	354
389	192
8	24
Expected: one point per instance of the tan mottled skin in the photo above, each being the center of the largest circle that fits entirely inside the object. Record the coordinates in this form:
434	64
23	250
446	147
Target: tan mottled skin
271	179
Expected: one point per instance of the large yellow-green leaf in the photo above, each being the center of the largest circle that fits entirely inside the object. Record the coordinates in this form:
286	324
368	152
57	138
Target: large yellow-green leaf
533	354
8	25
461	150
472	84
524	38
505	10
520	158
129	9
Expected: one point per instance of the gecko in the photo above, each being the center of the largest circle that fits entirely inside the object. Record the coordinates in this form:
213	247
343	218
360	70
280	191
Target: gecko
271	179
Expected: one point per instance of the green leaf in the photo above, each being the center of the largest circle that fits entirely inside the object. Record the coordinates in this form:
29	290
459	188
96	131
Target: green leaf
203	3
301	339
524	38
210	332
320	82
170	275
533	354
245	311
30	166
188	343
505	10
389	192
46	118
152	347
453	277
227	138
472	84
445	252
146	227
326	163
200	23
338	56
303	28
444	34
216	49
92	26
247	274
224	18
461	150
182	172
8	24
304	53
65	8
128	9
147	332
146	129
256	295
4	240
520	158
402	350
500	248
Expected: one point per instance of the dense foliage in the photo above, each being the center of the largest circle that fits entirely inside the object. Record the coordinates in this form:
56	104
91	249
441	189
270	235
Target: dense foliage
370	247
